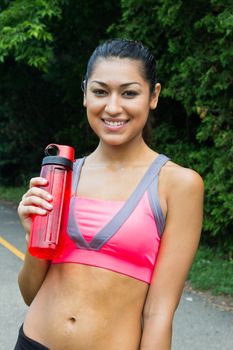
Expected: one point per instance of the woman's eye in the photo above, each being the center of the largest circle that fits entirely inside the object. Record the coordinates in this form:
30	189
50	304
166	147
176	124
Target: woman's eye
130	93
99	92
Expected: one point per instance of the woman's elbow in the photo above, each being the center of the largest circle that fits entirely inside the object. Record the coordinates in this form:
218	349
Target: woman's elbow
25	289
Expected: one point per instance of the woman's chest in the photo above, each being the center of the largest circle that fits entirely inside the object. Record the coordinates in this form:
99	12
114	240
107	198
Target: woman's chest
109	185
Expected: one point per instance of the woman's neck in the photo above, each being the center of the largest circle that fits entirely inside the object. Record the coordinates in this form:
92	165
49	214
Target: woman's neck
123	155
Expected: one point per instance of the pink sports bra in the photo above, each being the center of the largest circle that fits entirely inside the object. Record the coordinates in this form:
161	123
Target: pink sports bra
122	236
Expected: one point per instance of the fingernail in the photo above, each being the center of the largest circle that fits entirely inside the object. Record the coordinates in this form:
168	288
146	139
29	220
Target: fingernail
42	211
49	196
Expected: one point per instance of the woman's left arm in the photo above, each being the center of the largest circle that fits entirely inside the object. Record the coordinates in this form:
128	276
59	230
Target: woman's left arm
178	247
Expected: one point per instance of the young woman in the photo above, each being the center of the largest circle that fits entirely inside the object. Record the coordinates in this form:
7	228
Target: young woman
134	224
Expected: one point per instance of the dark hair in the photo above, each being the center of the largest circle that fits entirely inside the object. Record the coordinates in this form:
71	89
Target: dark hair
122	48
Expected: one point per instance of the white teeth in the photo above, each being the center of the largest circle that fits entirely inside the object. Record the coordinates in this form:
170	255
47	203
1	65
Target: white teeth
113	123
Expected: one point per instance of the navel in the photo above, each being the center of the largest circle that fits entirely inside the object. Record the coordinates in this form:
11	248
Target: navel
72	319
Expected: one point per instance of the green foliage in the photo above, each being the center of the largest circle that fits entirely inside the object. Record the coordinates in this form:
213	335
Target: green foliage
212	271
40	94
24	31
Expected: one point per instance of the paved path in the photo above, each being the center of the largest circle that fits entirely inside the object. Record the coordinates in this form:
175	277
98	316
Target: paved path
198	324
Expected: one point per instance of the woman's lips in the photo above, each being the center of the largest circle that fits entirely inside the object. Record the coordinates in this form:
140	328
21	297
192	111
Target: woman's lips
114	124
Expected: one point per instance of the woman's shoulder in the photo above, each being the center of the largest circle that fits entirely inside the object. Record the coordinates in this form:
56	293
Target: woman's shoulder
177	178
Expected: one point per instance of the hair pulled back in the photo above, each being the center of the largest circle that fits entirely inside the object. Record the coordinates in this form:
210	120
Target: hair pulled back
123	48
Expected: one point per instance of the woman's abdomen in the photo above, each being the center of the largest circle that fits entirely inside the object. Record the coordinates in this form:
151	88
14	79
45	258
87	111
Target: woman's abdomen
82	307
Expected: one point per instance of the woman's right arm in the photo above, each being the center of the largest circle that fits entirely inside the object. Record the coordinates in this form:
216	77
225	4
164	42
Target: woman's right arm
36	201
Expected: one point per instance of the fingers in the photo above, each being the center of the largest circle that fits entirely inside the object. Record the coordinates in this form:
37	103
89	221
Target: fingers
36	190
33	205
38	181
29	210
36	200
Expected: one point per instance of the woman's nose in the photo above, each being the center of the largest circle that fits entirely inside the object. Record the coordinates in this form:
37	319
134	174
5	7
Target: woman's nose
113	105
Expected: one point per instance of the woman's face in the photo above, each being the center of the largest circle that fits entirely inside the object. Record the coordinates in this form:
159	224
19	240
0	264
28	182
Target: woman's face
118	100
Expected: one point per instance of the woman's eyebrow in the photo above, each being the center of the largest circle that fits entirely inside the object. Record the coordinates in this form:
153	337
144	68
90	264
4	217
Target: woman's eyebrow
122	85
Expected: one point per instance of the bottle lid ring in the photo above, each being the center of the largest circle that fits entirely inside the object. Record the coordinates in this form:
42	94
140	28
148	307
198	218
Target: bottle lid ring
52	150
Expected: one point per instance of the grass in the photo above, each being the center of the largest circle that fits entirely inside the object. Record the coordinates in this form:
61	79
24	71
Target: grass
12	194
210	270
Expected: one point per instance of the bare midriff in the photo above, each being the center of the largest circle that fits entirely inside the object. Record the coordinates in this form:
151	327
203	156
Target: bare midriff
81	307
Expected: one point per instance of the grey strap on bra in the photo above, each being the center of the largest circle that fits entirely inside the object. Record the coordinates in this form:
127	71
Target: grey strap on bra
155	205
116	222
76	173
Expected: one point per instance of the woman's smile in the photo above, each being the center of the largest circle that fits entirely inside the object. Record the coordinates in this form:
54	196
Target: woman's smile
114	124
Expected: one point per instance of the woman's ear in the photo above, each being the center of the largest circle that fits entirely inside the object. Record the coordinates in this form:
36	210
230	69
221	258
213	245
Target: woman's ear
84	92
155	96
84	99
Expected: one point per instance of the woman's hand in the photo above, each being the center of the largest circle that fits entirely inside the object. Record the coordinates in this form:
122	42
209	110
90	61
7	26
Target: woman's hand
36	201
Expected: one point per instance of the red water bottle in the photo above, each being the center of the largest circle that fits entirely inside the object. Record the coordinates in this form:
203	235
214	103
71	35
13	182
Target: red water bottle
48	231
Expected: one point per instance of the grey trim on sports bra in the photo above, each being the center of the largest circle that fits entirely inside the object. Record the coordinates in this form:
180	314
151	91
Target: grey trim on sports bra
155	205
76	173
121	216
